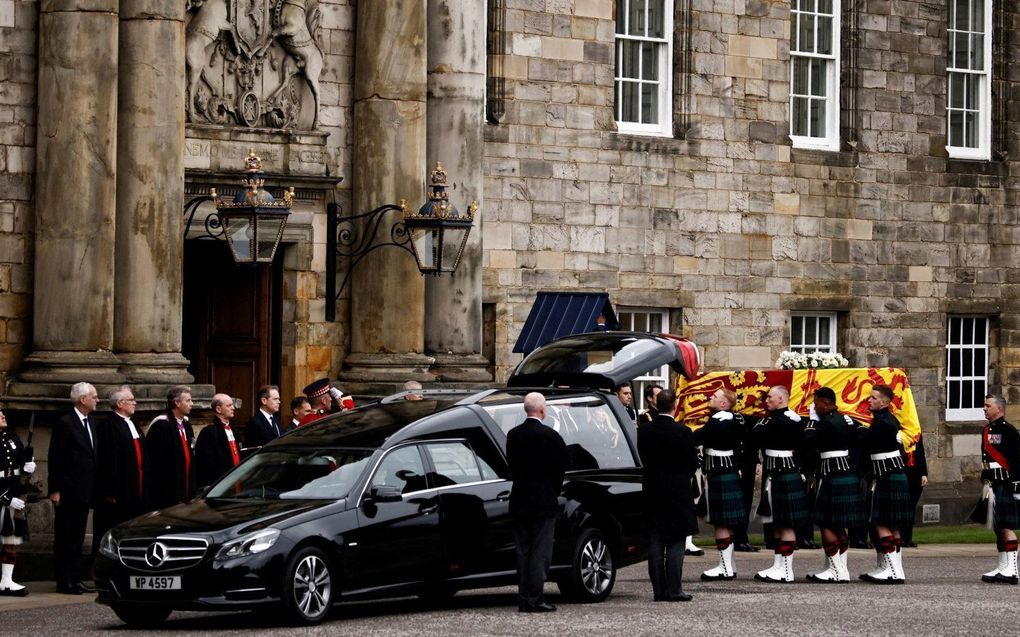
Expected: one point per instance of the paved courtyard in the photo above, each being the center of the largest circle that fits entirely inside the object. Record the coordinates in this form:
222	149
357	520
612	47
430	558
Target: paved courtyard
943	596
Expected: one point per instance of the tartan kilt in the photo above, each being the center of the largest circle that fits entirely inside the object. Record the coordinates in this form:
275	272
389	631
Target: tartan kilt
726	505
789	500
839	503
889	501
1007	510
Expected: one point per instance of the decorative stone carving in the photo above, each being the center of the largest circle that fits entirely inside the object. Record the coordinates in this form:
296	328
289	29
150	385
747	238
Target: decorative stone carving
244	59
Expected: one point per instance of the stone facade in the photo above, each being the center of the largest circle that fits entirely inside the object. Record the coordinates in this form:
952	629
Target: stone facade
724	223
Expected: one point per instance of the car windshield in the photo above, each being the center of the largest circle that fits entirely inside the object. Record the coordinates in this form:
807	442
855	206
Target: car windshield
593	435
294	473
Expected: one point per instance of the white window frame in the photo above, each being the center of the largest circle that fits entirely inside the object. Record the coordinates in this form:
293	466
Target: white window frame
639	321
664	126
967	413
983	151
830	141
805	347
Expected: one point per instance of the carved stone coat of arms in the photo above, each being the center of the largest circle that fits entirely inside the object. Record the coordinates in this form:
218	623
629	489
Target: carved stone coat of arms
253	63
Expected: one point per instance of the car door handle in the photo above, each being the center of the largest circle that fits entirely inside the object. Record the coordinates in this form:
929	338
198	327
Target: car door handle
503	496
425	510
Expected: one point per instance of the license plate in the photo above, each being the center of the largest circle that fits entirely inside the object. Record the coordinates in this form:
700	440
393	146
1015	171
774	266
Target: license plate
155	583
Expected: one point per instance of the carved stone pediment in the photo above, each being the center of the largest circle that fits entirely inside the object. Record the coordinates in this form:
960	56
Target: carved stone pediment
253	63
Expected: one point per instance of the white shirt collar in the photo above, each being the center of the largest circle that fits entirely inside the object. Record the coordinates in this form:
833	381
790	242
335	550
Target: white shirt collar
81	416
268	415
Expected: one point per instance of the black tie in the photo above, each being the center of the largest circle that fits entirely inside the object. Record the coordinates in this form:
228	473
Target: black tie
88	432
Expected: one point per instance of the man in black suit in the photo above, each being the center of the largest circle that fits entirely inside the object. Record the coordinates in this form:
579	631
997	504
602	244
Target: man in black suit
72	472
669	459
299	408
537	457
120	453
216	450
170	443
626	396
265	424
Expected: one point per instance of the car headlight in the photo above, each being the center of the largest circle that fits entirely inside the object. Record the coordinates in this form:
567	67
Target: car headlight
248	545
109	546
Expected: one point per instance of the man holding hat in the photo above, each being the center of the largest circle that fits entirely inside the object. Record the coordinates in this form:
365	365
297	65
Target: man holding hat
321	395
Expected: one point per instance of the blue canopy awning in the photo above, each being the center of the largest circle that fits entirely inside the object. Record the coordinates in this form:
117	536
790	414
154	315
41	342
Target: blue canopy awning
557	314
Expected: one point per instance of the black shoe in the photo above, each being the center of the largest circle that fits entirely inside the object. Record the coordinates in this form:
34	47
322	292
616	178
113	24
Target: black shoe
695	552
70	589
999	578
8	592
86	588
539	608
746	547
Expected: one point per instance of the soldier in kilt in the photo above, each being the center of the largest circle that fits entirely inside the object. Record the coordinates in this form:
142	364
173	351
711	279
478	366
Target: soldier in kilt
784	502
721	438
888	493
1000	450
839	504
15	461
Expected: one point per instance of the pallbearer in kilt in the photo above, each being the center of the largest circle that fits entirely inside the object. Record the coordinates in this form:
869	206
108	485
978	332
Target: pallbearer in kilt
888	492
1000	451
784	503
721	438
839	503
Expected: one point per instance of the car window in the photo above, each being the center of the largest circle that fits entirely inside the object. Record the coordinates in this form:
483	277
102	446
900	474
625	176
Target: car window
401	468
456	463
592	433
293	473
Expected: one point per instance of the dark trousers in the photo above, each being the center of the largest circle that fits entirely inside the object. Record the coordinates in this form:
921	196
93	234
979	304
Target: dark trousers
69	521
914	482
747	488
665	565
534	557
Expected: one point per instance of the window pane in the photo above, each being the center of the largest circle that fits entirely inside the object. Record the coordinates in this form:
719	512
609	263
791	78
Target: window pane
649	61
636	26
807	5
977	15
806	34
655	322
970	129
800	75
631	55
796	330
962	13
954	331
825	6
967	362
954	395
955	128
649	103
621	16
980	391
954	363
825	35
799	118
966	394
977	52
962	54
967	327
401	468
629	99
980	369
981	327
817	118
956	89
824	329
655	18
818	77
455	463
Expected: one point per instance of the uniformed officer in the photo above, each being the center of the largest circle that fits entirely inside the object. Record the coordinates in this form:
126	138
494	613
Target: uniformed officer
14	462
1000	451
325	399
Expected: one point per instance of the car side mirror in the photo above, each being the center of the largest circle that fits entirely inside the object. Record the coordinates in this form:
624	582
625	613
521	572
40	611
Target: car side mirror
385	493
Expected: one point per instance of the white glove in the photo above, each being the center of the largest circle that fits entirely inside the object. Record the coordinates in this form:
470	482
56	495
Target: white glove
792	415
722	415
849	420
29	467
17	504
335	393
812	414
899	437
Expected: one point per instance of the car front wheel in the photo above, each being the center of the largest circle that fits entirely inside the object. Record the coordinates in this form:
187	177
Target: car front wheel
309	585
592	570
139	616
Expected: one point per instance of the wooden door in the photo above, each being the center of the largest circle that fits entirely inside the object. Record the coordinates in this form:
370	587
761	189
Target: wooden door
231	322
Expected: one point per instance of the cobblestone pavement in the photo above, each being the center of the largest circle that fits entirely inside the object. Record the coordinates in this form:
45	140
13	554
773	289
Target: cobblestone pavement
943	596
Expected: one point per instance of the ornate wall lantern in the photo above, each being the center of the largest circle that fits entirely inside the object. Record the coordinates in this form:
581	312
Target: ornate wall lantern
253	222
436	235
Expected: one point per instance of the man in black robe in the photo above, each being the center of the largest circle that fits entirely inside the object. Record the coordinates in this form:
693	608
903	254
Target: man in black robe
216	450
669	459
170	443
120	454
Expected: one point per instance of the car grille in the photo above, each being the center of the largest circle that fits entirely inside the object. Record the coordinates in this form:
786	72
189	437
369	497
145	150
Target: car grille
164	553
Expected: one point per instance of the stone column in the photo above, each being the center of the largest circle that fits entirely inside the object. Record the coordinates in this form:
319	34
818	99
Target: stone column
456	106
150	193
387	292
75	195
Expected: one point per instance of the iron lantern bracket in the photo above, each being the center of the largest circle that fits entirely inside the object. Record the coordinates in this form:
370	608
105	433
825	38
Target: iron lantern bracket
213	225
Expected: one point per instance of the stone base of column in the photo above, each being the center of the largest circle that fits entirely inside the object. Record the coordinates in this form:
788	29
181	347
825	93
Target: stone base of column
169	368
382	374
461	368
72	367
53	396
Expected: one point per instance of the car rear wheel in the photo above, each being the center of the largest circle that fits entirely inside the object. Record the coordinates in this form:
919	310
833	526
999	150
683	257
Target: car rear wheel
140	616
308	587
592	570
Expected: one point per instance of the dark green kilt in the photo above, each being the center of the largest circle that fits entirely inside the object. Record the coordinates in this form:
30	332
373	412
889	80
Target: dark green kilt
726	500
839	503
789	500
889	501
1007	510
